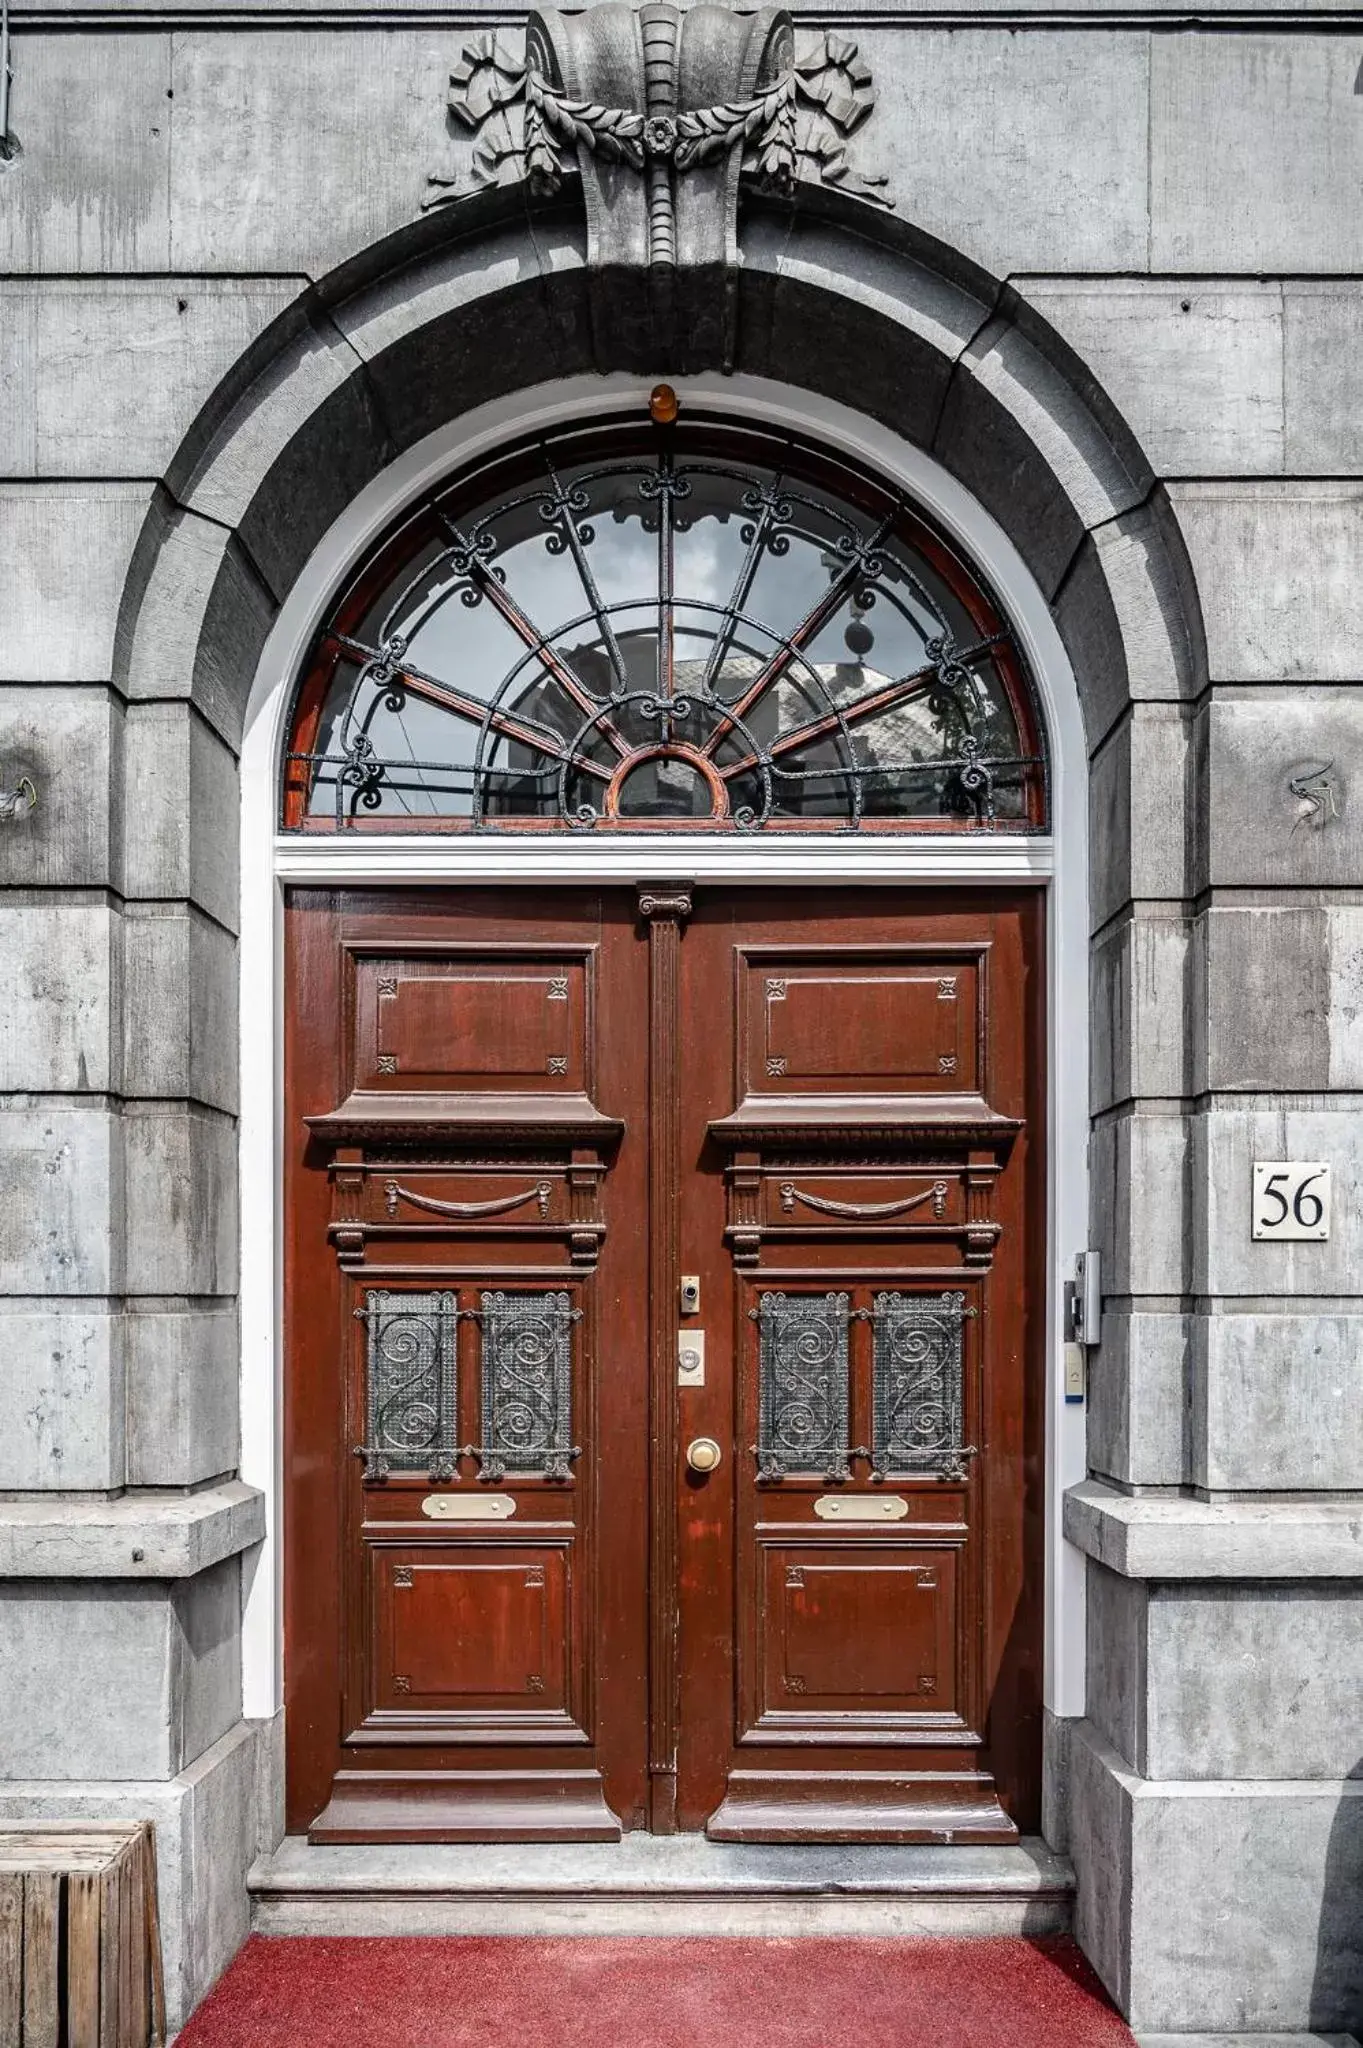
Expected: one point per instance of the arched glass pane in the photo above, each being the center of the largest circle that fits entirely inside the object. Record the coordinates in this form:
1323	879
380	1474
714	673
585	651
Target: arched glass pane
643	628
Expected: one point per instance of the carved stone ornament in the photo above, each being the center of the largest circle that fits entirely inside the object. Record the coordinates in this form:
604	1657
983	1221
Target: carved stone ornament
662	114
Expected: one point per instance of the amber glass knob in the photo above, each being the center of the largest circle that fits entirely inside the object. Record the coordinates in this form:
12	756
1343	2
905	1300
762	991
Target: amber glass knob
703	1454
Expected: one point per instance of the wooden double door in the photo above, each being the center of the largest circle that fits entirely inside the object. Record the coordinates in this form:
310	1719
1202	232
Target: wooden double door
664	1363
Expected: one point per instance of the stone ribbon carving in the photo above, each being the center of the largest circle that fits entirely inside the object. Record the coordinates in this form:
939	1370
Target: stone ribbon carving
662	114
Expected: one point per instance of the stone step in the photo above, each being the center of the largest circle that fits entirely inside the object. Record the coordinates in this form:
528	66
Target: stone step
660	1884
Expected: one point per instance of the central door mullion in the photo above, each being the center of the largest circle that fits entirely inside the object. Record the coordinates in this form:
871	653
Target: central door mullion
663	910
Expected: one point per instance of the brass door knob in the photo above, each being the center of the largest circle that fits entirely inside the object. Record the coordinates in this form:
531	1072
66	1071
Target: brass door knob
703	1454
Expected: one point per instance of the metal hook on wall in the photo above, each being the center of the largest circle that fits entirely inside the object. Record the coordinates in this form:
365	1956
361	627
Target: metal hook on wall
12	803
9	148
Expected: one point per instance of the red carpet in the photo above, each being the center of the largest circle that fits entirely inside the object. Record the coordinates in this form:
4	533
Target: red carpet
511	1992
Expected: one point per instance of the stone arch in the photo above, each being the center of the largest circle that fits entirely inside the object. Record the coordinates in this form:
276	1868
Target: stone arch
460	311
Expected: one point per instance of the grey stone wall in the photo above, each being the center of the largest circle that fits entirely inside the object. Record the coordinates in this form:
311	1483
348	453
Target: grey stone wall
218	319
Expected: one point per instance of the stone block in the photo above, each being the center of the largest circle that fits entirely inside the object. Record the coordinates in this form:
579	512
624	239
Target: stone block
89	191
1275	1401
1252	140
298	447
1129	616
125	1679
73	349
1323	376
1262	1008
1116	1686
138	1535
1344	948
1278	567
1138	999
183	1415
61	1223
1139	1201
205	1841
61	1398
1219	1907
468	323
181	1200
1139	822
181	804
1055	1780
269	1783
69	743
1067	169
275	165
1278	802
1226	1260
1195	368
1175	1537
195	619
59	996
179	1003
64	555
1139	1385
1018	433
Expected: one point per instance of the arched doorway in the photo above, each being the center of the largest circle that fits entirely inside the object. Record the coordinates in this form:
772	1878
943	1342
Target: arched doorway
665	1297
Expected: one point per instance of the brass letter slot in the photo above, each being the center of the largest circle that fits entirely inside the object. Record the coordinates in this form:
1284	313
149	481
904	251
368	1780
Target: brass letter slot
469	1507
861	1507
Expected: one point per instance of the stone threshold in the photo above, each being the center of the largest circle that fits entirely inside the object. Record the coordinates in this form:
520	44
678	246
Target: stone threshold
660	1884
1142	1538
1245	2041
141	1535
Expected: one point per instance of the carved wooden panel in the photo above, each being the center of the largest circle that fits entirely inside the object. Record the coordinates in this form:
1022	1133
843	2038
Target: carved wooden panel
472	1630
477	1023
860	1023
862	1631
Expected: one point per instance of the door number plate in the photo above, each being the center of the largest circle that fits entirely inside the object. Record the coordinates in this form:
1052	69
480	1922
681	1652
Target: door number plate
1291	1200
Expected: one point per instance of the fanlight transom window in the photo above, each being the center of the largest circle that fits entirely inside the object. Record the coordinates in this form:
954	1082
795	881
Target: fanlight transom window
692	626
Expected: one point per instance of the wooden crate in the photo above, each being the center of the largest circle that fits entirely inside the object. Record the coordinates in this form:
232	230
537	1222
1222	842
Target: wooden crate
80	1940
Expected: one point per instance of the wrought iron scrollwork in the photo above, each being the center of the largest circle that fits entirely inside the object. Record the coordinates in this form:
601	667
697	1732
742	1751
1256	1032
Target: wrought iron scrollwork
918	1391
411	1383
802	1384
668	636
527	1385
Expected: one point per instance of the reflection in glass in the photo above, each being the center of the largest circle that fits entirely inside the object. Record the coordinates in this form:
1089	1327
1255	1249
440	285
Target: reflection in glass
695	626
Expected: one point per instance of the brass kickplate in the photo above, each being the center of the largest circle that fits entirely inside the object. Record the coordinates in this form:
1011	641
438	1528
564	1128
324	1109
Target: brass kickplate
469	1507
861	1507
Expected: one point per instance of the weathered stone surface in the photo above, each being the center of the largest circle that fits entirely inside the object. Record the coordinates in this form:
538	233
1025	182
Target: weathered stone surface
1116	1687
181	1200
1242	1897
1277	797
194	619
1138	1044
1275	1400
1323	376
205	1839
64	553
1139	804
1261	998
183	1368
1226	1259
1128	613
1138	1391
1066	170
58	995
61	1398
69	743
182	810
61	1223
123	1680
1196	368
180	999
161	1536
1139	1201
91	114
1155	1538
1252	139
72	349
269	1789
1278	567
276	165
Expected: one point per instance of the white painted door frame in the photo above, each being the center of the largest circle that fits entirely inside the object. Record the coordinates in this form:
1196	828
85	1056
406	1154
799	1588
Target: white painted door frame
269	860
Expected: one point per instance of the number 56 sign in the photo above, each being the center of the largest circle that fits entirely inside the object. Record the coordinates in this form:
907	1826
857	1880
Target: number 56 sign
1291	1200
